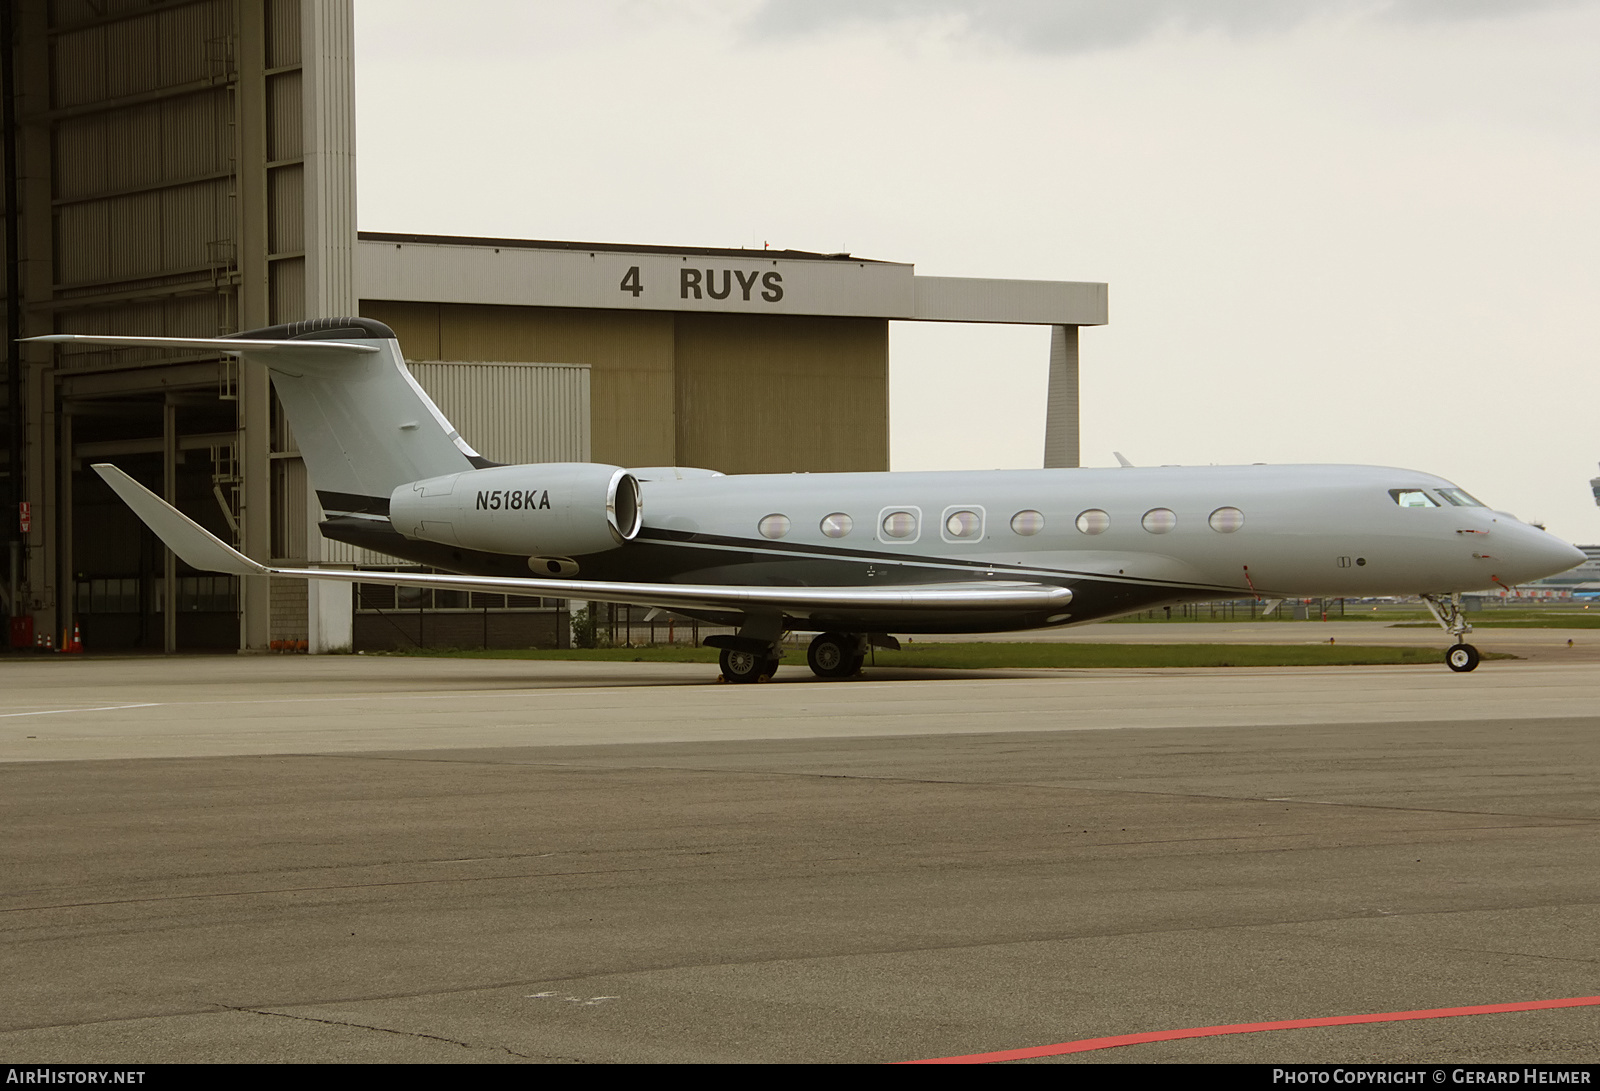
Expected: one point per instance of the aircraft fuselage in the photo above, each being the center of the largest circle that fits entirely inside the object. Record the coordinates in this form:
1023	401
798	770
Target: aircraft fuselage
1121	539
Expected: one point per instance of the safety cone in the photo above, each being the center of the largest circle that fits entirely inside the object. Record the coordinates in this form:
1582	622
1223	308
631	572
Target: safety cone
75	645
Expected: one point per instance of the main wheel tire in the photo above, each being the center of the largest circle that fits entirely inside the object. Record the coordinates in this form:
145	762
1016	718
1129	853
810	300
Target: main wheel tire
745	666
833	655
1462	657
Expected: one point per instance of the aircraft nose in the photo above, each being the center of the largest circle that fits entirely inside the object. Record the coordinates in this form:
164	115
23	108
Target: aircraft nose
1537	554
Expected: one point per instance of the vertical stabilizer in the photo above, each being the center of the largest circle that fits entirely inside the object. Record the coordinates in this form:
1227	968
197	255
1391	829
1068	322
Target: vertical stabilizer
362	423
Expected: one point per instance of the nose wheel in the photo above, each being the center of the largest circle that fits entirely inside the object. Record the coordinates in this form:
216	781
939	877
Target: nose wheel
1462	657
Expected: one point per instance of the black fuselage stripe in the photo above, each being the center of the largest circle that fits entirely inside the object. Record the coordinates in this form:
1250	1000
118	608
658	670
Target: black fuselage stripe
680	538
353	502
716	542
356	504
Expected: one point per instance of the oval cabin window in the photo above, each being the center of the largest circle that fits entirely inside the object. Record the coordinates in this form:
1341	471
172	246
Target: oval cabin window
837	525
963	524
1227	520
1027	523
1094	521
1159	520
899	524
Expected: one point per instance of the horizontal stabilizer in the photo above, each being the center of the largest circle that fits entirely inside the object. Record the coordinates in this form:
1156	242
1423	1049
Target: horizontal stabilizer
234	345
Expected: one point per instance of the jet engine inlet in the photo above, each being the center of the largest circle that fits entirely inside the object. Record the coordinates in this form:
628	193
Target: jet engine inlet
624	510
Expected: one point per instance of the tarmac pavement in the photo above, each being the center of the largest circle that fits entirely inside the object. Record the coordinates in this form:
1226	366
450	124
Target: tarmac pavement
360	858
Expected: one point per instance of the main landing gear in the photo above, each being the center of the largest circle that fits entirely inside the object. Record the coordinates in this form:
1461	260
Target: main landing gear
837	655
753	655
1448	613
740	665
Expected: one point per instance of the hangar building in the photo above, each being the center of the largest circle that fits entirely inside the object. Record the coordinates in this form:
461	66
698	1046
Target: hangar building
187	168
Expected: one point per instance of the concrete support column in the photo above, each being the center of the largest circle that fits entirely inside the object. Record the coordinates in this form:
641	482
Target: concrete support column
68	581
169	493
37	274
41	460
327	46
327	49
255	392
330	607
1061	407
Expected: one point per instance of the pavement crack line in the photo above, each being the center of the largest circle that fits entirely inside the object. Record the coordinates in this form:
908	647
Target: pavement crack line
271	891
381	1030
667	965
1568	820
811	774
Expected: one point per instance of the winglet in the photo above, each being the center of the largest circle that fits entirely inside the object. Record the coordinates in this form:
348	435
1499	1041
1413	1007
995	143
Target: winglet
197	546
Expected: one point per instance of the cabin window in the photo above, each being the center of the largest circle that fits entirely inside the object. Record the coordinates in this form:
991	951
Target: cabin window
1412	498
1227	520
773	526
1460	498
963	524
1159	520
1027	523
1094	521
899	524
837	525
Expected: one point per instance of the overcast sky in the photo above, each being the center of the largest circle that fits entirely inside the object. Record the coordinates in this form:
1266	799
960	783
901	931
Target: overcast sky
1334	230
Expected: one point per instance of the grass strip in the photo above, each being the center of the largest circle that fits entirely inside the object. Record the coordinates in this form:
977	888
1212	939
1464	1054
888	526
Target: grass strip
1565	621
1484	619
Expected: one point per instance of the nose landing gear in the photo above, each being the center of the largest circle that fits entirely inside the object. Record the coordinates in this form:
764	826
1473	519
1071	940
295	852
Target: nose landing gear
1448	613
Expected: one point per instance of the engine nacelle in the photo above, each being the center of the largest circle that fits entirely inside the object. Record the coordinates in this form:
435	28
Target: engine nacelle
561	509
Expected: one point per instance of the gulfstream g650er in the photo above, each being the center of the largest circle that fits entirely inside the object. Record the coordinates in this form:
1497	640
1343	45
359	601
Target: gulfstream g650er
853	557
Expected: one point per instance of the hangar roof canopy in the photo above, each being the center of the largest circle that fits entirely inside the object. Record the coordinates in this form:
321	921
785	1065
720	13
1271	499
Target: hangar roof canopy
623	276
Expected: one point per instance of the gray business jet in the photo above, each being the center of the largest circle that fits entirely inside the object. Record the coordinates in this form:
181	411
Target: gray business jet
853	557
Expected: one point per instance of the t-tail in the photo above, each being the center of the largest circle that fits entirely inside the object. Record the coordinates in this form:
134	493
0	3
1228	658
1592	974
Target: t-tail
363	425
384	461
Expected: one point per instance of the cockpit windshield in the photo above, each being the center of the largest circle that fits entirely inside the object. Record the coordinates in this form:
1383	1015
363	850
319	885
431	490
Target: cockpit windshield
1460	498
1413	498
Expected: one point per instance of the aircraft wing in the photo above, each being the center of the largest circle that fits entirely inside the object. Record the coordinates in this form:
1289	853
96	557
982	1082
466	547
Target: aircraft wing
201	549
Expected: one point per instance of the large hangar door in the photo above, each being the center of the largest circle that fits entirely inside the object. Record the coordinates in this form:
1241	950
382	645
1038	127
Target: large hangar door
782	393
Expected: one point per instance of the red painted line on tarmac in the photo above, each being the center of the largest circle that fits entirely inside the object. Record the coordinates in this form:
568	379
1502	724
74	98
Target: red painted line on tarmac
1085	1045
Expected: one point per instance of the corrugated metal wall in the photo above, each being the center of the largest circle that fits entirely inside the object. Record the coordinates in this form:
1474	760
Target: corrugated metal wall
143	185
168	145
630	353
286	222
145	131
782	393
741	394
513	412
